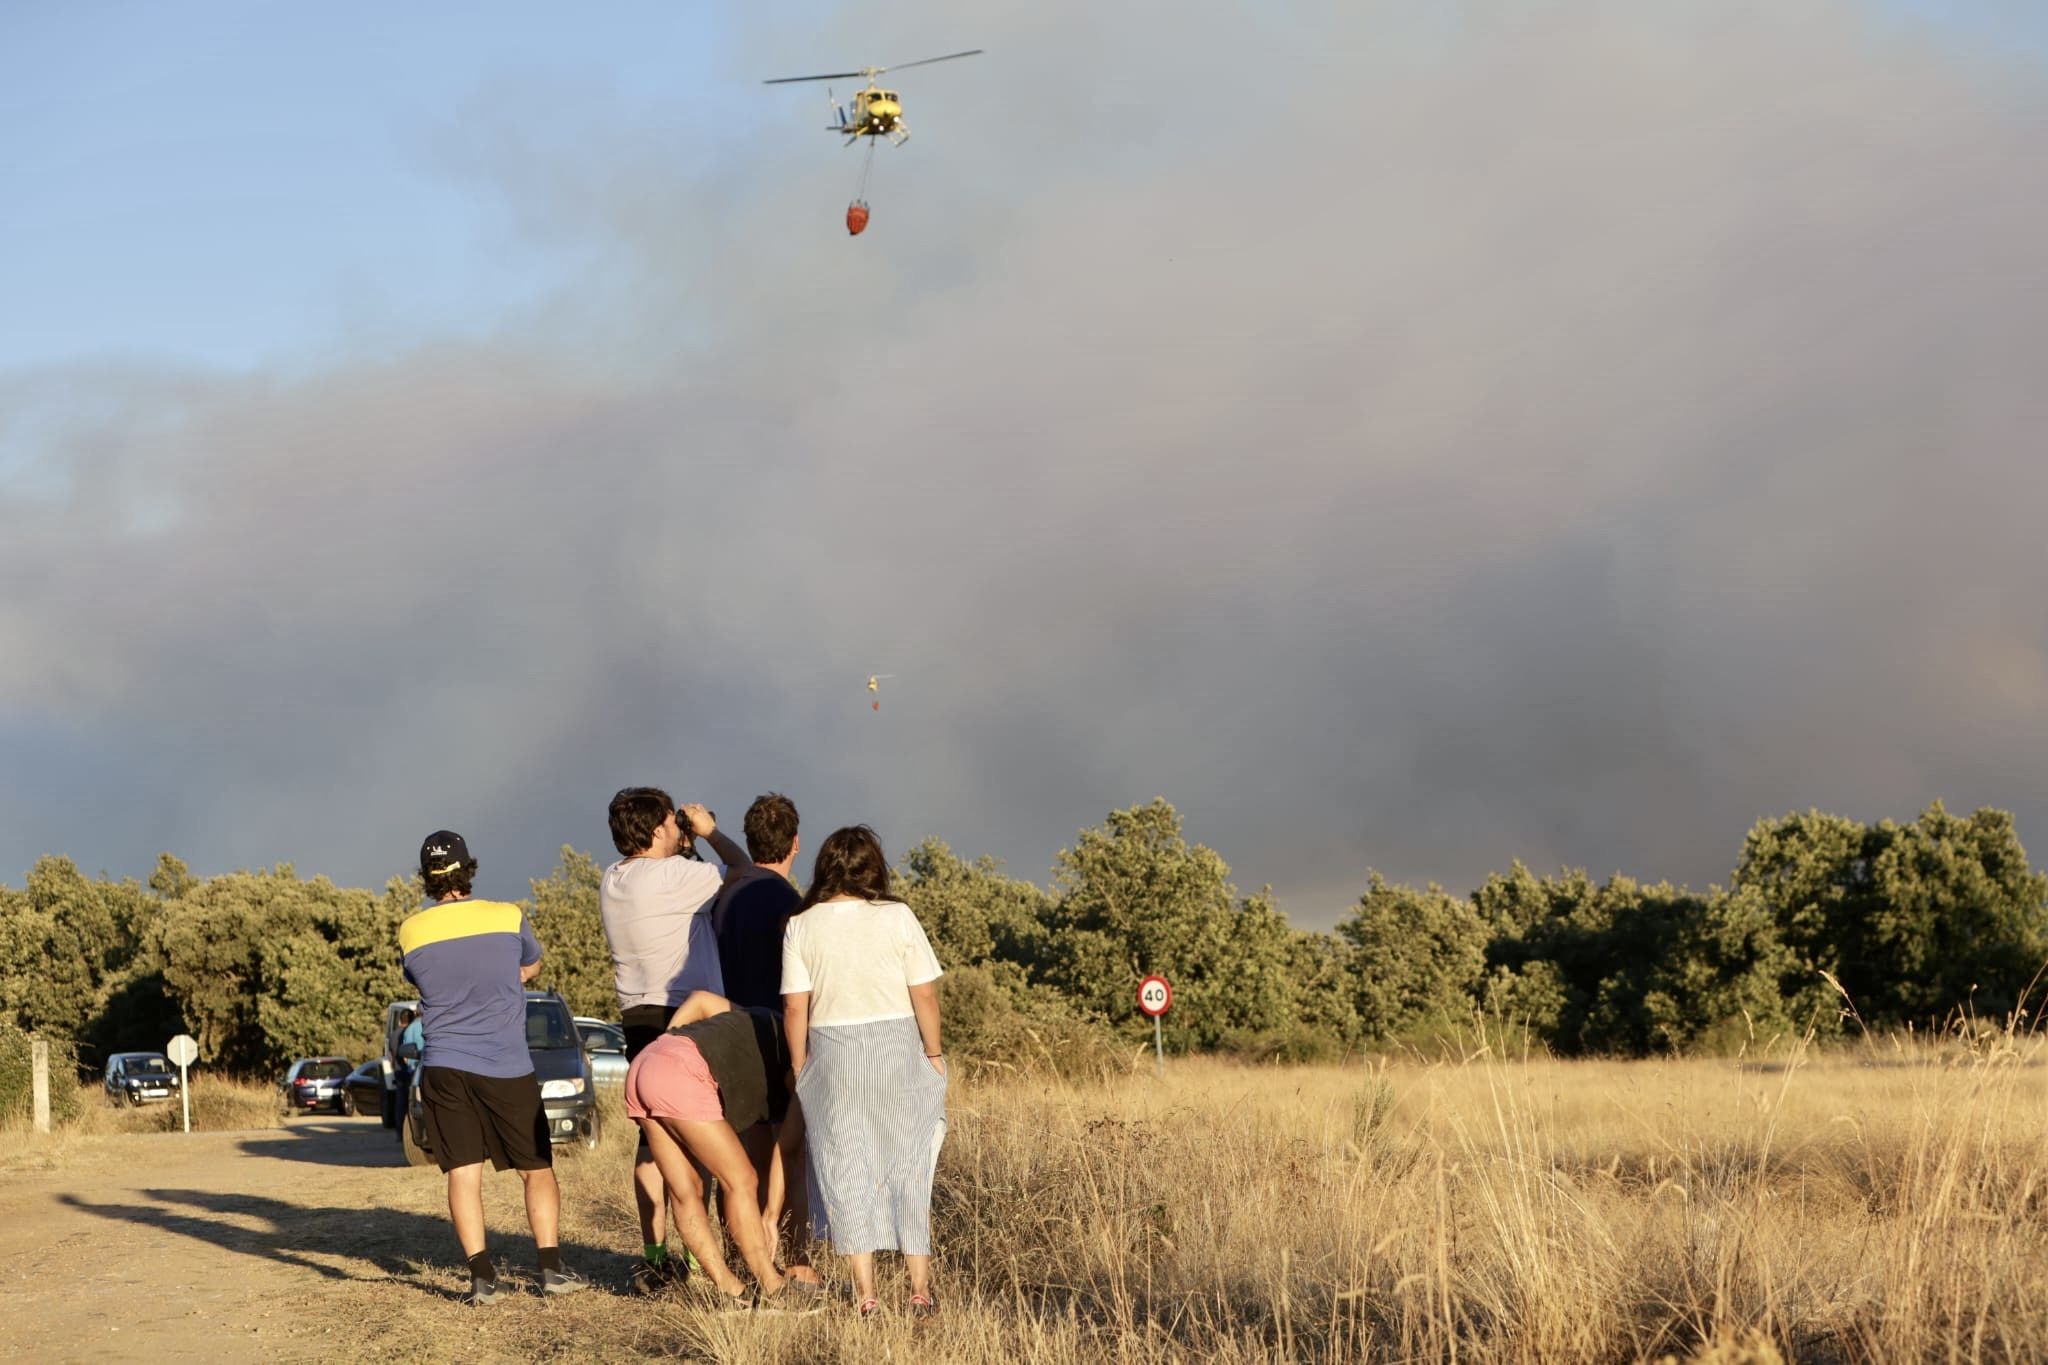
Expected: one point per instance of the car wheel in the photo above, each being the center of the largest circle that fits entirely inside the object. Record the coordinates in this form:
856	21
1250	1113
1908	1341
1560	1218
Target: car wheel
347	1108
415	1155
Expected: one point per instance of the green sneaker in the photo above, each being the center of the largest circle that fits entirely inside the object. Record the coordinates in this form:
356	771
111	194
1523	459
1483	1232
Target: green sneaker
651	1277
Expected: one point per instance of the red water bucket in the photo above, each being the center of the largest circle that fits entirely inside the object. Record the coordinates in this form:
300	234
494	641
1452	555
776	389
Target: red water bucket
856	217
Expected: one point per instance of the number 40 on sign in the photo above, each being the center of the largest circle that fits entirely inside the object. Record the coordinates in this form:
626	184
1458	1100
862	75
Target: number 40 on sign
1155	997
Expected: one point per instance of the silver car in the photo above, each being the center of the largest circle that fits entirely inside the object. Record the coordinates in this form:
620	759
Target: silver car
605	1045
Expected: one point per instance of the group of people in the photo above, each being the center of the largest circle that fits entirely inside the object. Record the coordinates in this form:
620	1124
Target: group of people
785	1046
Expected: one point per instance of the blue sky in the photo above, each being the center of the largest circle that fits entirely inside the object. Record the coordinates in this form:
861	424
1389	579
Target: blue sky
228	184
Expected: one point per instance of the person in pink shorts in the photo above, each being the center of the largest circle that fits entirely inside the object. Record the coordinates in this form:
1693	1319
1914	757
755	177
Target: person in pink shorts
716	1075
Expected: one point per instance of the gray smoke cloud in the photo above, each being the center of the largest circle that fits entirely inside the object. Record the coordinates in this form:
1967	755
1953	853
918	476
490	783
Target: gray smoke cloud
1566	437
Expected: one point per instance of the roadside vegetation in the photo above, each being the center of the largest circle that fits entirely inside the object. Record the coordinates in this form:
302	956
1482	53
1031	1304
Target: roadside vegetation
1921	924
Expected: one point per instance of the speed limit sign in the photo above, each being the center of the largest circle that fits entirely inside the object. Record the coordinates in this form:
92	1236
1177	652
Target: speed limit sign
1155	997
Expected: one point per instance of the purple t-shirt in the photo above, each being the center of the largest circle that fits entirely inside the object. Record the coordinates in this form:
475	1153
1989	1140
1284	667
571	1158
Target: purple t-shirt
465	956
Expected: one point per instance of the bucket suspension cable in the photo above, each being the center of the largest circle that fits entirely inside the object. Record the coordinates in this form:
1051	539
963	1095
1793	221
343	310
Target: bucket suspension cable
857	211
867	168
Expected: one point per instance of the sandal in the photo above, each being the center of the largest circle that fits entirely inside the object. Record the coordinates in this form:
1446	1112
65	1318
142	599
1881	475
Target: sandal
869	1308
921	1306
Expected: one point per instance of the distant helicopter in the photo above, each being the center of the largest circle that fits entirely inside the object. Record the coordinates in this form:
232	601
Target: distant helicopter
874	113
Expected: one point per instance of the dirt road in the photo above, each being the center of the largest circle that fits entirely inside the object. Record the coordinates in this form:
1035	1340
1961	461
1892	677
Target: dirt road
228	1246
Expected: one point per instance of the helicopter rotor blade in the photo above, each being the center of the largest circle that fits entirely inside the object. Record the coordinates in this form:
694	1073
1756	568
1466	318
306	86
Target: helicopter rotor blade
905	66
828	76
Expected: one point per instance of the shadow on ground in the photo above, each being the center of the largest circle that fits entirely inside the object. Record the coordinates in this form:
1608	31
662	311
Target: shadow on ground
337	1142
361	1244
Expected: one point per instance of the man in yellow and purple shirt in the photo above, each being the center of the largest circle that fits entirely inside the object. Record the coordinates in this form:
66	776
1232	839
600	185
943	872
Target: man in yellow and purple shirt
470	960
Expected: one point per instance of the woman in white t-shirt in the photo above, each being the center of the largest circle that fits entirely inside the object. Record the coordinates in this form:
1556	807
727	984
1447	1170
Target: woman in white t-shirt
861	1009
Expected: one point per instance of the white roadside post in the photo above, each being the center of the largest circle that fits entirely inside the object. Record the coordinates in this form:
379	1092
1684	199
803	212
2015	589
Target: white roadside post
1155	998
39	1082
184	1051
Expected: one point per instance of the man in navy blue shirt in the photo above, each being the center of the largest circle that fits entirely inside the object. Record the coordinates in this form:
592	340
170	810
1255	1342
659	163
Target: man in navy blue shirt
470	961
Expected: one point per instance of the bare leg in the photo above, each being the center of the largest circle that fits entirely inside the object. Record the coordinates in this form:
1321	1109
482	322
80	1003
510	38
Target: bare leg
863	1263
713	1142
543	1206
691	1224
920	1275
791	1191
760	1144
466	1206
647	1192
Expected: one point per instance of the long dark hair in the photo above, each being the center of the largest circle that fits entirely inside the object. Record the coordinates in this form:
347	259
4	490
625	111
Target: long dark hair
849	863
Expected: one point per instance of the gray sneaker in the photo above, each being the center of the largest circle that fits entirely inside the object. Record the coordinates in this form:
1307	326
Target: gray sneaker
482	1292
563	1281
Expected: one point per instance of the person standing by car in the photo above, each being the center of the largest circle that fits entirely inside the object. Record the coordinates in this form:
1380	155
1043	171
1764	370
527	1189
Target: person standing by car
405	1059
654	905
470	960
861	1016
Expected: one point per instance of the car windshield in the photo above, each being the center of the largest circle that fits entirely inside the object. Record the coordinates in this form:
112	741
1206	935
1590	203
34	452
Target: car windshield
148	1066
548	1026
323	1071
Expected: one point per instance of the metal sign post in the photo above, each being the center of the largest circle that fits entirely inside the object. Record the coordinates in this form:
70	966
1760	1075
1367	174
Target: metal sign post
1155	998
184	1050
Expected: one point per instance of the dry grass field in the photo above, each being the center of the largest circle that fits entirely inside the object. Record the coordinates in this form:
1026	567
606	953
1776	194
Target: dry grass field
1880	1205
1877	1204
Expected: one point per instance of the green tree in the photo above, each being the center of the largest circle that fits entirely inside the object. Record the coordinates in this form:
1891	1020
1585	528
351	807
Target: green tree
1136	897
972	912
1417	956
1580	961
1914	920
266	966
576	962
65	942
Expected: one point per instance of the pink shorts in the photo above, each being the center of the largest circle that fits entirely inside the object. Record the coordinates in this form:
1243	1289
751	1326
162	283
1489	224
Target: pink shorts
669	1080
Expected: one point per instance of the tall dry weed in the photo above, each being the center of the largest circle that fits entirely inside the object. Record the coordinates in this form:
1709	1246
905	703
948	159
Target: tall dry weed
1882	1202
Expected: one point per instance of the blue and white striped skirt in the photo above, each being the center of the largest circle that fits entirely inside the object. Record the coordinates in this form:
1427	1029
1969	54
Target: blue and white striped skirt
874	1116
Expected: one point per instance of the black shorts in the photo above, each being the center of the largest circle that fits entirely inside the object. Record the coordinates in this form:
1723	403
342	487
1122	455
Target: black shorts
642	1024
471	1117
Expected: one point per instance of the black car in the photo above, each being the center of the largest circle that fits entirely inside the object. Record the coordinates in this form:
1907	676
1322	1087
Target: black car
365	1087
566	1092
139	1078
313	1085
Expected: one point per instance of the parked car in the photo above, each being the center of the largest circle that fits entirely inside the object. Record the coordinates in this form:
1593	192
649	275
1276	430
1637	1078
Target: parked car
140	1078
559	1064
605	1045
314	1084
365	1087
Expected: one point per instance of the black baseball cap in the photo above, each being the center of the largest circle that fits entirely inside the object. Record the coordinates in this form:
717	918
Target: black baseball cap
443	851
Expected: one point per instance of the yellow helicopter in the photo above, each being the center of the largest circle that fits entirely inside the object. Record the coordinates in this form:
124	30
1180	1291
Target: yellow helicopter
873	112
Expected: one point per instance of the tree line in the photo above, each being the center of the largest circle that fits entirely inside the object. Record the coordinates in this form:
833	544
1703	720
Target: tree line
1914	921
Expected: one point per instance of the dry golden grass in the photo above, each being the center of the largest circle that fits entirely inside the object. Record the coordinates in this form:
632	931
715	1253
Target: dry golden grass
1874	1205
219	1104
